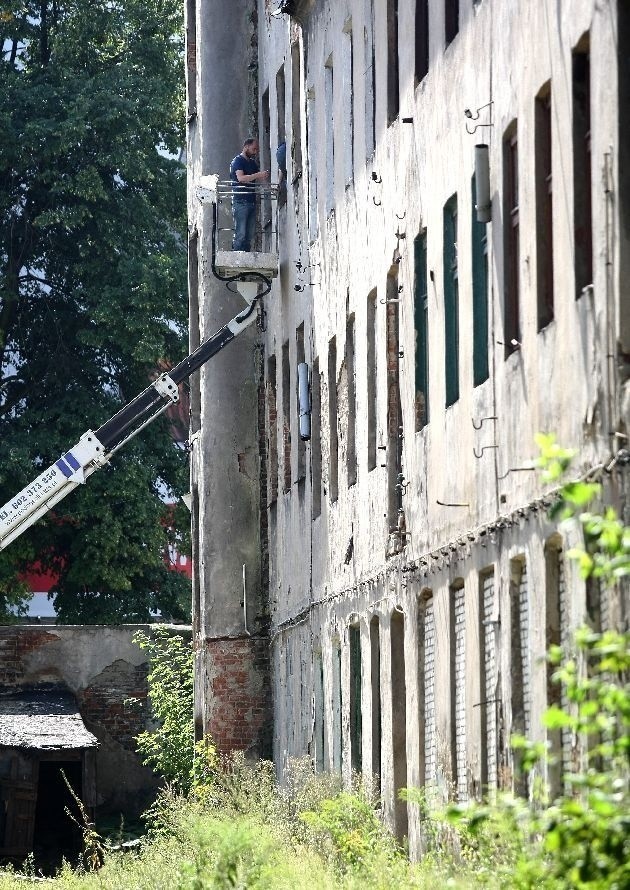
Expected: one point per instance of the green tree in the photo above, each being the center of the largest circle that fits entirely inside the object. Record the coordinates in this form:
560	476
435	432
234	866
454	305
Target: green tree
92	286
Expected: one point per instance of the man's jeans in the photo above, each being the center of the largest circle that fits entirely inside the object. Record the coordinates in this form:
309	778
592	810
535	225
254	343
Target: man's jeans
244	225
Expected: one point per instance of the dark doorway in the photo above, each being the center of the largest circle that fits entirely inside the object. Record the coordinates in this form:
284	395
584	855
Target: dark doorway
56	836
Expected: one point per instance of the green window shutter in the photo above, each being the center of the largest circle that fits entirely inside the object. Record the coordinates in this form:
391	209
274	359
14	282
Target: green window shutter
451	303
421	324
480	295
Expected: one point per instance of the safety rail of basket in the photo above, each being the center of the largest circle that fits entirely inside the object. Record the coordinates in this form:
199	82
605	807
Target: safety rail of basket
266	200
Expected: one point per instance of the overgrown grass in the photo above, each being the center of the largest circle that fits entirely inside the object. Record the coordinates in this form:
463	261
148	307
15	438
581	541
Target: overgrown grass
243	831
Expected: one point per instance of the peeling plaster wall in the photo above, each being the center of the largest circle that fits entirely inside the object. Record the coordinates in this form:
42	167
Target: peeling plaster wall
346	565
473	514
105	670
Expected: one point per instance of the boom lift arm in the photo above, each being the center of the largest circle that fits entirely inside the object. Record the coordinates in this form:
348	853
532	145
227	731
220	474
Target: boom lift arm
94	449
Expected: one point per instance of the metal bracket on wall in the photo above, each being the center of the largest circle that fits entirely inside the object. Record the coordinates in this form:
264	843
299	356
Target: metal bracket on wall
475	117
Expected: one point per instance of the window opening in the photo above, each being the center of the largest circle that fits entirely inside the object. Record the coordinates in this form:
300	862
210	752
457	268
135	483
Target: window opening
457	638
511	242
272	430
399	721
520	665
393	99
423	600
582	172
329	94
375	685
286	416
337	763
488	680
296	110
430	729
348	102
544	208
555	620
316	441
301	444
371	379
351	449
480	295
451	302
356	716
422	40
421	319
333	447
394	408
451	20
370	77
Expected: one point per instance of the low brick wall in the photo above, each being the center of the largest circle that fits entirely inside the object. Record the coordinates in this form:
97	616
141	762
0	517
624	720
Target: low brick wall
107	672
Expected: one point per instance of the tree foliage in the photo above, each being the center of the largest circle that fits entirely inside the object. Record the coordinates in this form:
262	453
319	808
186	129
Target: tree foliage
92	286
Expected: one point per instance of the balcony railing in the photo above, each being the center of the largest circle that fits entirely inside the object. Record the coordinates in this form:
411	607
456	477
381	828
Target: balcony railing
266	233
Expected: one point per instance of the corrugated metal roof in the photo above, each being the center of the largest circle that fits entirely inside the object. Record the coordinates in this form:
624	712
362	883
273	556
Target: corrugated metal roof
42	719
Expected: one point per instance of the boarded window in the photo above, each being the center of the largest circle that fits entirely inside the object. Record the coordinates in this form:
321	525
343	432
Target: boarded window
458	690
430	734
488	680
520	660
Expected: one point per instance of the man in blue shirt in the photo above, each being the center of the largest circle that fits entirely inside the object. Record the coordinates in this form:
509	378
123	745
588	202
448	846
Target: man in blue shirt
245	173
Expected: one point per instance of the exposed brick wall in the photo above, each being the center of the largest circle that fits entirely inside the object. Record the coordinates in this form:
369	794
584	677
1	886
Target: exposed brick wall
15	645
117	701
239	695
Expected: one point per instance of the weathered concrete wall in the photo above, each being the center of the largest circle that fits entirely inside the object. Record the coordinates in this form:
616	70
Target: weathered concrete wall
471	575
105	670
226	462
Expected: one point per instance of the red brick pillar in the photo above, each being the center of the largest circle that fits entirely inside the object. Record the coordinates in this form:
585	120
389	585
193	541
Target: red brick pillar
238	695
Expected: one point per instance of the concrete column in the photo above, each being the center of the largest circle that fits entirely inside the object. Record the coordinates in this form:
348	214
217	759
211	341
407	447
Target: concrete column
232	650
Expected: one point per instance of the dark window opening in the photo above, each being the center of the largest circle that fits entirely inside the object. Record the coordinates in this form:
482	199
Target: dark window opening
451	20
375	683
582	173
370	77
371	379
422	40
544	208
316	439
421	325
351	447
286	417
480	295
272	431
399	721
301	444
511	242
356	717
333	447
451	302
296	110
393	95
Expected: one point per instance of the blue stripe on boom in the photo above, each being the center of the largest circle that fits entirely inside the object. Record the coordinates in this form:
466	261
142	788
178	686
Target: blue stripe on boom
63	466
71	459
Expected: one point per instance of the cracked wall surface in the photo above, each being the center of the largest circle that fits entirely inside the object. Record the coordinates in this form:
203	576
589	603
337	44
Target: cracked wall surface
445	533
